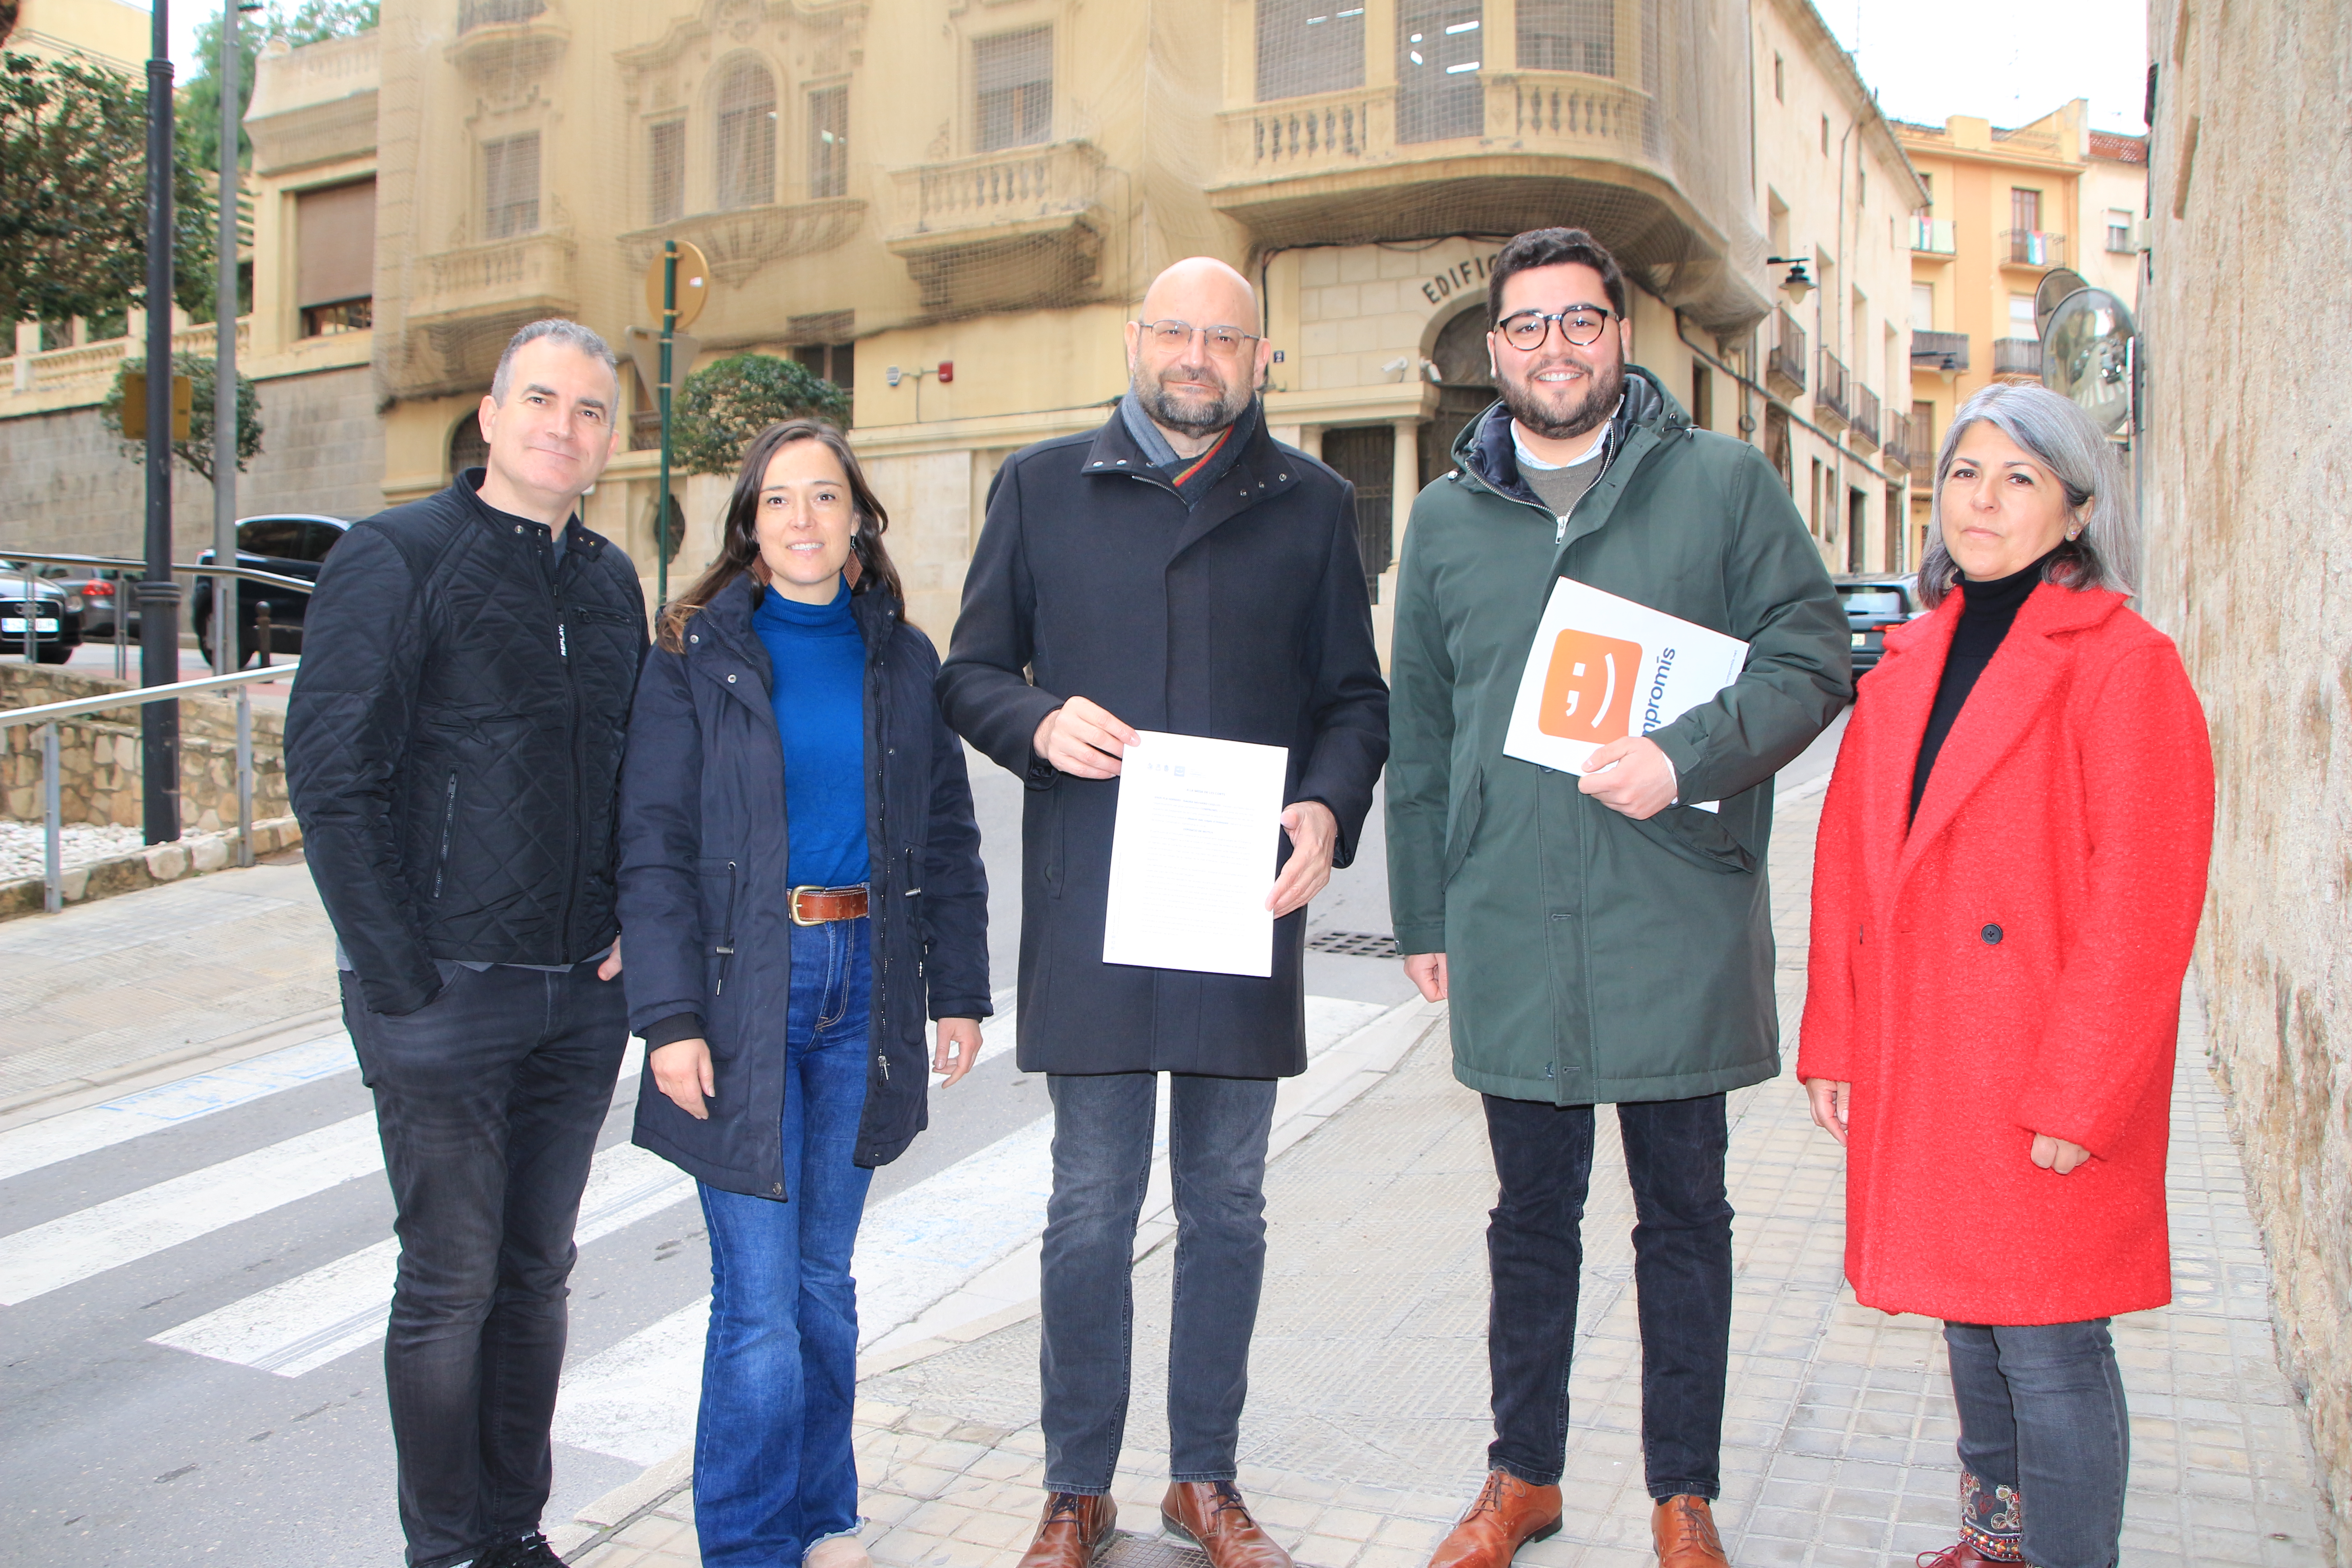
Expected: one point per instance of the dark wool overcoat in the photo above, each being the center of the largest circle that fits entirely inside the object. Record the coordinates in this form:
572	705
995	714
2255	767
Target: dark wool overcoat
1243	618
706	906
2011	963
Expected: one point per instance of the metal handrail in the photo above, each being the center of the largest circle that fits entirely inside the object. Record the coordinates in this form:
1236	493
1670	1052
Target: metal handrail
46	714
251	573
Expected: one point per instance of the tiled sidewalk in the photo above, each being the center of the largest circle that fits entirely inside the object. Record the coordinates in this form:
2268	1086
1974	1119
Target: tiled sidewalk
1368	1422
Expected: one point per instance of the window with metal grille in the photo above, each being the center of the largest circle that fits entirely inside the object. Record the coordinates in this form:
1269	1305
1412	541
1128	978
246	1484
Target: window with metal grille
1012	78
746	140
1365	456
1307	47
828	143
1568	35
665	171
510	185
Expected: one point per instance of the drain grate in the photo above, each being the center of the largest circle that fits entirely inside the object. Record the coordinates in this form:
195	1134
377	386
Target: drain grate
1354	943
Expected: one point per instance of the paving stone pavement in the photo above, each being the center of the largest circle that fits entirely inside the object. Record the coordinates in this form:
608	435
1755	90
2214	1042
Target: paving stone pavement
1367	1420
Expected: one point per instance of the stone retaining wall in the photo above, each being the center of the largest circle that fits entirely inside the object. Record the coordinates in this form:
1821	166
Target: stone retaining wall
99	762
158	863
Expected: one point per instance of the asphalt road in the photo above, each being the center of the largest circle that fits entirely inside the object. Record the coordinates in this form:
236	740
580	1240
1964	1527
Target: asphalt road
179	1366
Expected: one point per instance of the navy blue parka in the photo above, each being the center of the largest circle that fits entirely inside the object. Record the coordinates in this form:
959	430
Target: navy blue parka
703	849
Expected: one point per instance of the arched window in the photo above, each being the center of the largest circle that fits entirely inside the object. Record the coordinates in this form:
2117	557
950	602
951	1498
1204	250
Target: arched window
746	135
466	447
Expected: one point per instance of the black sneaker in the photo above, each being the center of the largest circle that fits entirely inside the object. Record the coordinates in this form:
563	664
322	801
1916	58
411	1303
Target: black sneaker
529	1551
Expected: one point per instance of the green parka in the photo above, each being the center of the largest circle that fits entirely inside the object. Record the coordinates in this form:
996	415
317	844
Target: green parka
1593	958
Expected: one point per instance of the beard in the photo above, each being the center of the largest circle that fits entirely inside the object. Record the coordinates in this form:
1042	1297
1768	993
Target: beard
1558	417
1194	417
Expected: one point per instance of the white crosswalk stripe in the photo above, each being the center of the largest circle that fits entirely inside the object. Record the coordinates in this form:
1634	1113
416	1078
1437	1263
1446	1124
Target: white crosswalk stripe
307	1321
122	1230
96	1127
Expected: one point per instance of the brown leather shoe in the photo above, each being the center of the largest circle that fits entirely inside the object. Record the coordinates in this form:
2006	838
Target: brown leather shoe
1683	1530
1508	1514
1074	1532
1212	1517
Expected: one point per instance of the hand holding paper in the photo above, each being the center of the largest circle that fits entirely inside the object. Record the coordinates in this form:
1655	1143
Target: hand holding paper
1605	671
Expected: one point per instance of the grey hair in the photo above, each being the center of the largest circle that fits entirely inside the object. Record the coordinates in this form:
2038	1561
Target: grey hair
2055	432
568	333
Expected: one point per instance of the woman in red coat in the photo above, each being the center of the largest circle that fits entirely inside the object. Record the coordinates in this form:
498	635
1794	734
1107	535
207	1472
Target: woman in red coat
2011	867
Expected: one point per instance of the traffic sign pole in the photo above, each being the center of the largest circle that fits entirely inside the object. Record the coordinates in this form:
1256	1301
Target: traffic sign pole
661	501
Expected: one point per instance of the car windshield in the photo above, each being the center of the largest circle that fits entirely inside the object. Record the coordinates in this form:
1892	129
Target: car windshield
1874	601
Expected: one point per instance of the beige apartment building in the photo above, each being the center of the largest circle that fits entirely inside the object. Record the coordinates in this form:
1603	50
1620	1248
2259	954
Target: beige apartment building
951	208
2006	208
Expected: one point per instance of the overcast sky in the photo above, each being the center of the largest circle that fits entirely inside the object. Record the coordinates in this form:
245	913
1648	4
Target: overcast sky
2008	61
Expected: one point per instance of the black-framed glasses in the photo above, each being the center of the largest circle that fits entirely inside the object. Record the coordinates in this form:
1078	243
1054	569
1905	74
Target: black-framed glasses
1579	325
1225	342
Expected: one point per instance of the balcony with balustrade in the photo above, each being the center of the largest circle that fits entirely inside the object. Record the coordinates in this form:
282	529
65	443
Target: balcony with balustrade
1896	451
1945	353
1004	229
468	301
2033	249
2017	359
497	37
1784	362
1932	237
1863	430
1831	399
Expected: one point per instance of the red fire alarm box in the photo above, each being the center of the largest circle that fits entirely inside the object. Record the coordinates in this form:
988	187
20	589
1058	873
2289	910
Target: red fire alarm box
947	371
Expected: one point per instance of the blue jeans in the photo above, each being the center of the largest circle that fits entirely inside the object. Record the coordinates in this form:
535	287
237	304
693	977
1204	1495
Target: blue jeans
1217	1130
1682	1282
773	1472
2046	1441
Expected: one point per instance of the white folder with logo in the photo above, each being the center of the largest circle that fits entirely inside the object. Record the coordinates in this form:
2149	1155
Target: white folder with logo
1603	667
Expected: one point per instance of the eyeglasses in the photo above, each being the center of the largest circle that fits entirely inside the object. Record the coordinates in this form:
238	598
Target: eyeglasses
1579	325
1225	342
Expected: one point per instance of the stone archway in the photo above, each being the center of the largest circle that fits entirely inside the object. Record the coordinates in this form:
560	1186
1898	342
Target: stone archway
1465	385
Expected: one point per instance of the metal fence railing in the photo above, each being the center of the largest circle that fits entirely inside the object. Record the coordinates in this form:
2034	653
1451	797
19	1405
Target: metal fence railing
123	583
47	714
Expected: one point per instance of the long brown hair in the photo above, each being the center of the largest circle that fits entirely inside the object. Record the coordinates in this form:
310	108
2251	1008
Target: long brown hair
739	547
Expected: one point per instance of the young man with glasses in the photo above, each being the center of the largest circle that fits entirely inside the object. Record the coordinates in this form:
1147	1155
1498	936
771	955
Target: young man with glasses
1602	939
1175	570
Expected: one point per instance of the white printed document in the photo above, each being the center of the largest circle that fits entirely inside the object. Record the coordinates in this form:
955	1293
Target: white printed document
1603	667
1193	853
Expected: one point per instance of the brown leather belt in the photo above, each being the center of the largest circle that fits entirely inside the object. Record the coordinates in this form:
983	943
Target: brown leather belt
814	906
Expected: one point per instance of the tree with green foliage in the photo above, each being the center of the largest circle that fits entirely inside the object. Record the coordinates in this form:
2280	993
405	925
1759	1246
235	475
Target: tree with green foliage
311	22
197	452
73	196
725	403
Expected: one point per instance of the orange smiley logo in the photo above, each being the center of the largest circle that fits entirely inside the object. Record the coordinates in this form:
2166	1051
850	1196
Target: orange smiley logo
1588	689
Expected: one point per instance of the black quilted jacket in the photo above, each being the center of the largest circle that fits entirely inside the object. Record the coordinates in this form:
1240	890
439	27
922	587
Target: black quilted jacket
453	742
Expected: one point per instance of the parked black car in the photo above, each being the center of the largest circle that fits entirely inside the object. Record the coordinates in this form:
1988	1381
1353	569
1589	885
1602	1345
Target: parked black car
1872	605
291	544
55	613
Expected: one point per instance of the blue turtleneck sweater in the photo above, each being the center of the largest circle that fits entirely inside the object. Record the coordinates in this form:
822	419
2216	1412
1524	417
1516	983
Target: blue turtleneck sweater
817	660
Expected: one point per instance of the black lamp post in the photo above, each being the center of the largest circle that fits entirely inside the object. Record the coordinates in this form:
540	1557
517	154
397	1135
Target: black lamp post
158	596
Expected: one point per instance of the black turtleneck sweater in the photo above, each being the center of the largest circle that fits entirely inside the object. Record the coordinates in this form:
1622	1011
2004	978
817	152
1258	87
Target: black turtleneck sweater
1987	611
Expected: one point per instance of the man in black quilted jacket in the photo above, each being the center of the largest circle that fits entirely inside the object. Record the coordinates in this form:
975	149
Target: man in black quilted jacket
453	748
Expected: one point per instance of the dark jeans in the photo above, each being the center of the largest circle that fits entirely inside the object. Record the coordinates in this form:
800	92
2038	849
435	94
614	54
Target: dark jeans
2046	1441
1217	1130
488	1099
1682	1274
773	1472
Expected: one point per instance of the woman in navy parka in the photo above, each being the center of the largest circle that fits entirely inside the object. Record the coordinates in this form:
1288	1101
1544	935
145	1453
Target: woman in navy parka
799	886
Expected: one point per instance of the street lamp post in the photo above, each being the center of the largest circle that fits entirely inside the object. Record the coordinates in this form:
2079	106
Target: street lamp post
158	596
226	639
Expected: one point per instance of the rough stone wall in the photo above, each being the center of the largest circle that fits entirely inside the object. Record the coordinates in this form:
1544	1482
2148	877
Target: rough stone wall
98	756
2248	490
65	484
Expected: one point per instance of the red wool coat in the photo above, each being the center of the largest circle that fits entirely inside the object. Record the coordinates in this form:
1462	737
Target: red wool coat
2012	965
